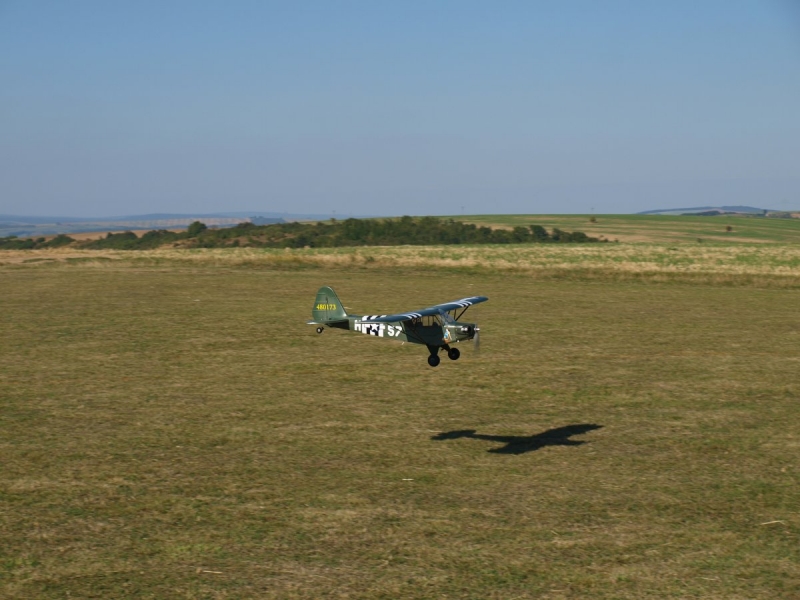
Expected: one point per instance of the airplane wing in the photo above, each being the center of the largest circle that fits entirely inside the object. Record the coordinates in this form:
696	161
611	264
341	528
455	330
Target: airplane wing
464	303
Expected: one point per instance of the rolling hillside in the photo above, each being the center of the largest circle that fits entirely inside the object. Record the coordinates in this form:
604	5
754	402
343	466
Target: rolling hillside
658	228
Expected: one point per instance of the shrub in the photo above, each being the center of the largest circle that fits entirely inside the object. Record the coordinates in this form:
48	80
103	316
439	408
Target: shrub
125	240
58	241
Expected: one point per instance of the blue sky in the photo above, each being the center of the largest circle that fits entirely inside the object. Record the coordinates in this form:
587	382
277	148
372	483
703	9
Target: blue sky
110	108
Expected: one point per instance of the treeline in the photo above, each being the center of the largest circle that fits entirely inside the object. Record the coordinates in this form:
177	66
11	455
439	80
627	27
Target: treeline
14	243
125	240
378	232
333	233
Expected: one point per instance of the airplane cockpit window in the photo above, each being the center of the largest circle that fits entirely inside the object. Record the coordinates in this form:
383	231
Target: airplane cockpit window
448	318
430	320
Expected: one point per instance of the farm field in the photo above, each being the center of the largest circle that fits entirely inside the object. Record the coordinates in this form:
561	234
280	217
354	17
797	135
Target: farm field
171	428
662	229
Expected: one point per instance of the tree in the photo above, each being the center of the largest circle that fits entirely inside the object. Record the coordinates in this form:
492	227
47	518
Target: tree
195	229
539	233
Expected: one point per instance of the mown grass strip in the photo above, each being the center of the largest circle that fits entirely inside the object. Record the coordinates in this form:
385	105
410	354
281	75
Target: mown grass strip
173	429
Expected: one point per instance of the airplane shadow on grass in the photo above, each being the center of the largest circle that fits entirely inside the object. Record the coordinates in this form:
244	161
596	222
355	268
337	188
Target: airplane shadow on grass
520	444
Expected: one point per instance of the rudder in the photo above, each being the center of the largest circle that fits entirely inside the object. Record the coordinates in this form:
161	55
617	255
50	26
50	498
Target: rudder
328	307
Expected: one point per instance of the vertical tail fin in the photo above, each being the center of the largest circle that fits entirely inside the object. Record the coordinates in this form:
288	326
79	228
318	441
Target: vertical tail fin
328	307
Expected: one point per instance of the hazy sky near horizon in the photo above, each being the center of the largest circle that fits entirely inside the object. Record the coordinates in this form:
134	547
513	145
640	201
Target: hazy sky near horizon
388	108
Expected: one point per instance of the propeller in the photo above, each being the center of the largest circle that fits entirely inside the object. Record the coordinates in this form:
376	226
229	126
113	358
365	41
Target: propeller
476	339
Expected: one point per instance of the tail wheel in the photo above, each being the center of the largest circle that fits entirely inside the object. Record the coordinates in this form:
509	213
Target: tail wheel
453	354
320	329
433	360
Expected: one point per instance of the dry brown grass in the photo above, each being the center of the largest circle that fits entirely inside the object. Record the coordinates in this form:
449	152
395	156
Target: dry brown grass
774	264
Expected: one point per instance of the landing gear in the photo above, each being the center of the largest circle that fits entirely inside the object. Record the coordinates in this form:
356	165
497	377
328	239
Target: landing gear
320	329
453	353
433	359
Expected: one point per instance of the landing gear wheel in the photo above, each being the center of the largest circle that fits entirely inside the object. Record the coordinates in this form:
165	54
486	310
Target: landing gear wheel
453	354
320	329
433	360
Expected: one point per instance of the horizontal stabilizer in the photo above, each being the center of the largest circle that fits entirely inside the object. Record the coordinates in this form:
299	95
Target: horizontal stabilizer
326	322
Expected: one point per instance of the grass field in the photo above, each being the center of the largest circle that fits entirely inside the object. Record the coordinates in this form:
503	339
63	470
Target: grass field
730	264
661	229
171	428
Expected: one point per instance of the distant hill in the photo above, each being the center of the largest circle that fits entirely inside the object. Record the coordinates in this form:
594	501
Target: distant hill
158	216
20	225
707	209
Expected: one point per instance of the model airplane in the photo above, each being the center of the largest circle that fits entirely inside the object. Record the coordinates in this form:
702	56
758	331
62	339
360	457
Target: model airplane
437	327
